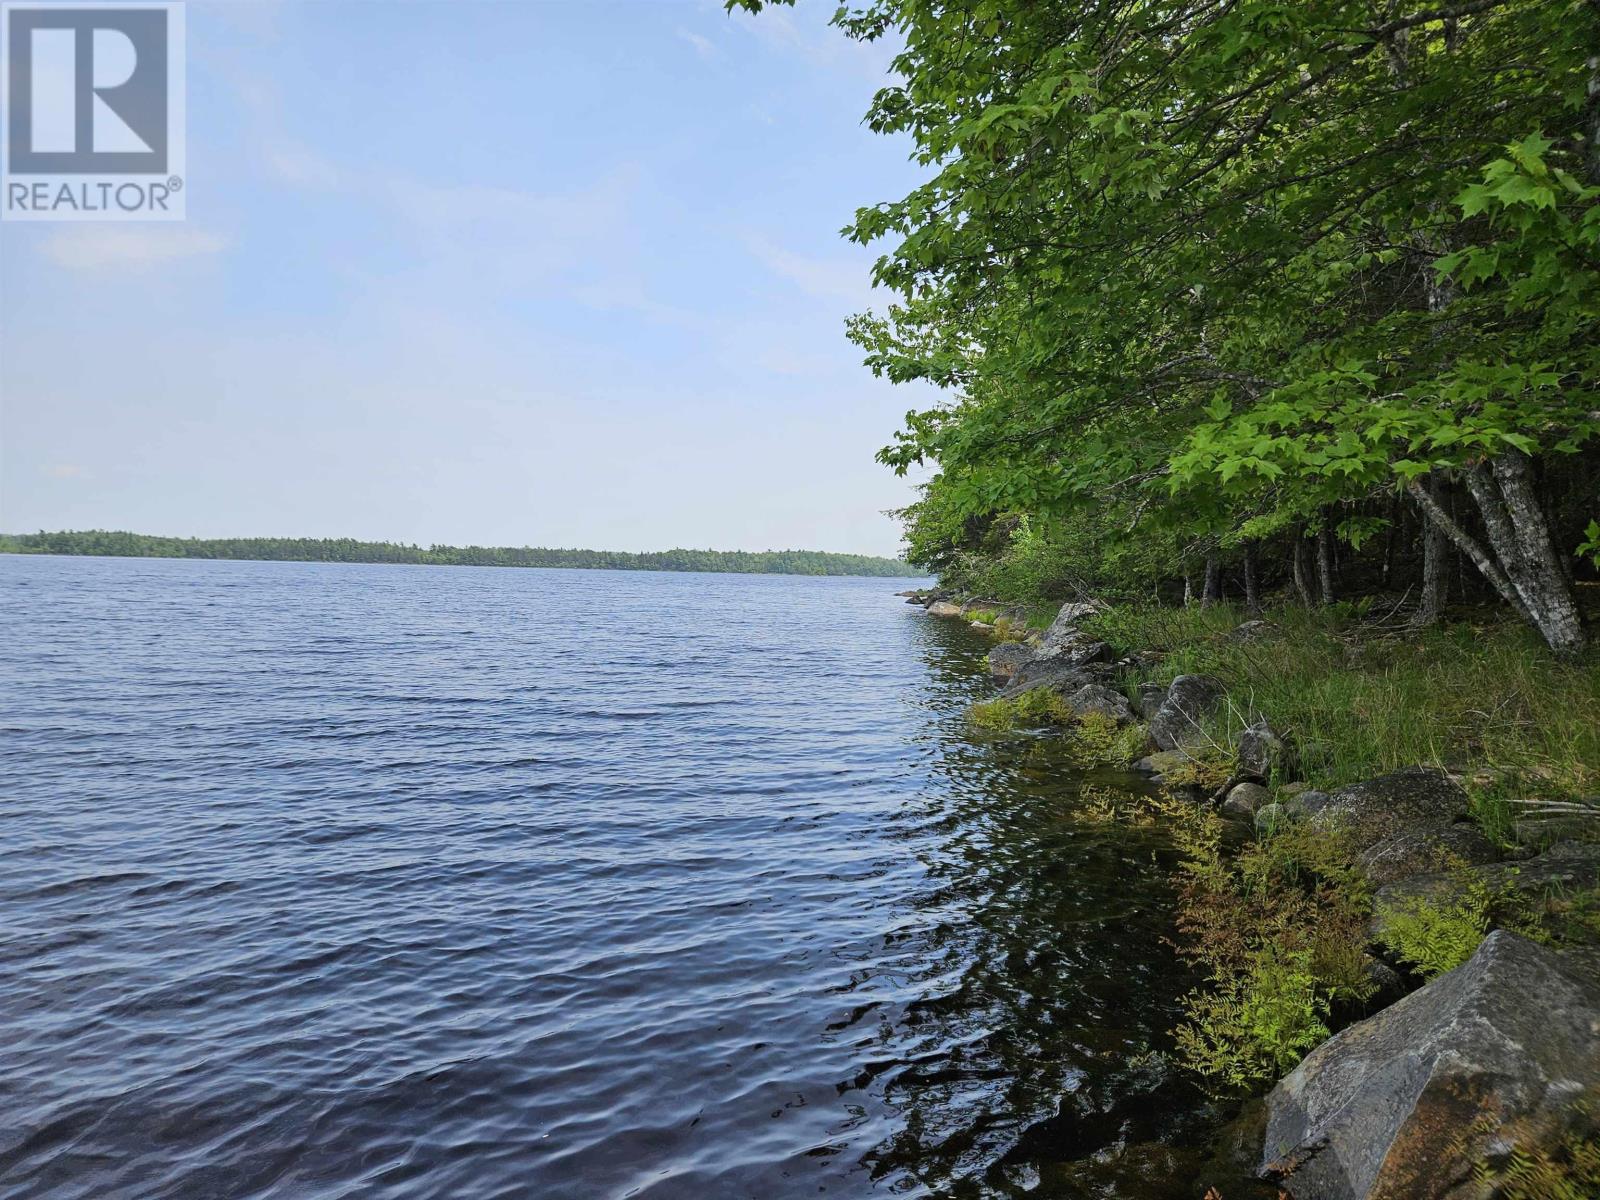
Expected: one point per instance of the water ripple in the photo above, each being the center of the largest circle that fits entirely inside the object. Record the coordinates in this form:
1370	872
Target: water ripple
329	881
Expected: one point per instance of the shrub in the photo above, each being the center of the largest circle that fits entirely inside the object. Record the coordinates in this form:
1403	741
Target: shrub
1569	1169
1436	938
1253	1026
1207	769
1280	932
1040	706
1574	918
1096	740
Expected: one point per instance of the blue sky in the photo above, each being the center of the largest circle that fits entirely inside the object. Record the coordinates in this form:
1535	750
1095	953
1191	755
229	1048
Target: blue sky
554	272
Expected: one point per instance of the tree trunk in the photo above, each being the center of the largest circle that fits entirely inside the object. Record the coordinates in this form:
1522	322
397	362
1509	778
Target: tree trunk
1325	563
1435	561
1252	583
1188	589
1302	569
1392	540
1592	114
1213	585
1468	545
1539	575
1523	567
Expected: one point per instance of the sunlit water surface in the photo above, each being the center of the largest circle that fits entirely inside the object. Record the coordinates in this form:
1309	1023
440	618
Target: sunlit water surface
380	881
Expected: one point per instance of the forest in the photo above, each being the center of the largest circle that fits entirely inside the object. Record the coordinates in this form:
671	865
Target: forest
348	550
1228	298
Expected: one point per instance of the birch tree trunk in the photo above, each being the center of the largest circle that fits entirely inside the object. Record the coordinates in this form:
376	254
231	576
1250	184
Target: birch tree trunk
1435	561
1252	582
1468	545
1302	570
1534	567
1520	560
1325	564
1213	585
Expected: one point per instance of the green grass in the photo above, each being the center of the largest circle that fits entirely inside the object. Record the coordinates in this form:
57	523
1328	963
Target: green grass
1090	739
1040	616
1361	695
1041	706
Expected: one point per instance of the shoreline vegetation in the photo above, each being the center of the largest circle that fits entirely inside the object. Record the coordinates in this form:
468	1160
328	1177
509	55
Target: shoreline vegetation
1298	306
1390	880
115	543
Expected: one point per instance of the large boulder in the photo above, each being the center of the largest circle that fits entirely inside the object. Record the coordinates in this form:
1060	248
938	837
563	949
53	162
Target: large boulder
1302	804
1102	700
943	608
1064	677
1424	849
1082	654
1006	658
1407	1104
1064	629
1190	699
1378	808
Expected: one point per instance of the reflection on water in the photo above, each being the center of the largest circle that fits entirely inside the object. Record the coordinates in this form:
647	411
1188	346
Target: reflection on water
329	881
1024	1065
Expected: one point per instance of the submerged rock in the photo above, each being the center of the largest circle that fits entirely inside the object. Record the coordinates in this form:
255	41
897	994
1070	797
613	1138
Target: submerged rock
1006	658
1190	699
1162	763
1407	1104
1379	808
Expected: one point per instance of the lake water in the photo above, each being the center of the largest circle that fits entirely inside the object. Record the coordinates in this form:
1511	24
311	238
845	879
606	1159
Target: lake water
385	881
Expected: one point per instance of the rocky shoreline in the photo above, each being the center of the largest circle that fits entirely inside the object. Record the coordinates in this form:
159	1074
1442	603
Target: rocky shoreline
1442	1089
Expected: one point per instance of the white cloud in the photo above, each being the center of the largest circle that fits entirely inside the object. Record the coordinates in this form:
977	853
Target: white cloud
703	46
844	279
821	45
129	246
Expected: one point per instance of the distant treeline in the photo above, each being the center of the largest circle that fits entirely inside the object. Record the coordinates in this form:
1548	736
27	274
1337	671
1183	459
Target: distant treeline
139	545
